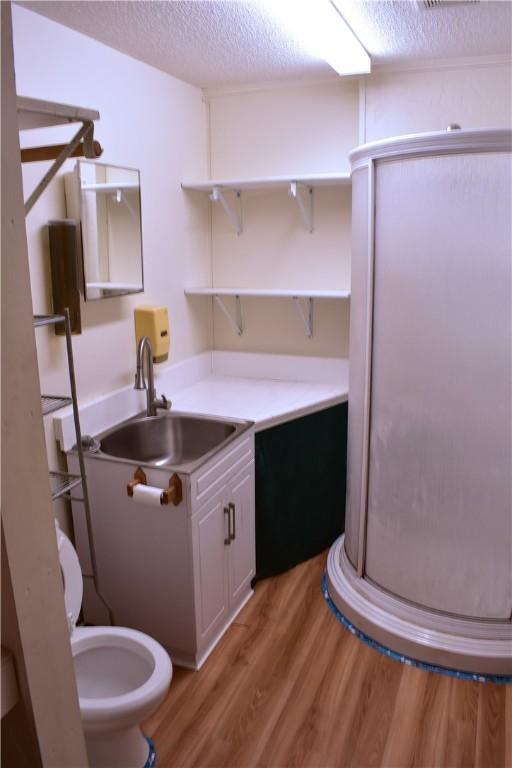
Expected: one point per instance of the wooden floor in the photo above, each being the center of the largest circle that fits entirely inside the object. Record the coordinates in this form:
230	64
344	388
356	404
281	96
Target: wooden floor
288	686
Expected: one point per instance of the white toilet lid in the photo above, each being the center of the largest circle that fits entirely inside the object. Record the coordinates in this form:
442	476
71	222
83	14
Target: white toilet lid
72	577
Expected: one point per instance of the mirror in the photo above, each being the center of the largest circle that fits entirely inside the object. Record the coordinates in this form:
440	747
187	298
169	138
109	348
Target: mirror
106	199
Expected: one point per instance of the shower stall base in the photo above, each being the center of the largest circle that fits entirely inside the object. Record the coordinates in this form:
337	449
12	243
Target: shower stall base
469	649
425	565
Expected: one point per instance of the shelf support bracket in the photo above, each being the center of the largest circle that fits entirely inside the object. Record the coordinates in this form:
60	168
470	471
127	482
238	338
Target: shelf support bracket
235	217
235	322
120	198
305	205
307	320
85	133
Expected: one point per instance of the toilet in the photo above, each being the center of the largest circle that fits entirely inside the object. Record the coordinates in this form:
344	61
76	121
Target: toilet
122	677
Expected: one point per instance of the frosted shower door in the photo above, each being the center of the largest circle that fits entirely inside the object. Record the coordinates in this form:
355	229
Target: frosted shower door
439	496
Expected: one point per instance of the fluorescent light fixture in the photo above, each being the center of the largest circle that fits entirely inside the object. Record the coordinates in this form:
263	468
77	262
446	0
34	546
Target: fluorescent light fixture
318	27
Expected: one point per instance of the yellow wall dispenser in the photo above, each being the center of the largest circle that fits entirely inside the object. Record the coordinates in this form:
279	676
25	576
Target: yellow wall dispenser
153	322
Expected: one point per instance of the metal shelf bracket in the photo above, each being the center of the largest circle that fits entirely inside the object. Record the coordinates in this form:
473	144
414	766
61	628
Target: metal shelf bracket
307	320
304	201
237	321
235	217
121	198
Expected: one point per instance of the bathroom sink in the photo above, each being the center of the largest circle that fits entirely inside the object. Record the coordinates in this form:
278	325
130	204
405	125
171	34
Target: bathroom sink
170	439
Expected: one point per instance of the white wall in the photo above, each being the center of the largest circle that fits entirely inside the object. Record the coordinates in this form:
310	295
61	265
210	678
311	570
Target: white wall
308	129
148	120
159	124
477	96
301	129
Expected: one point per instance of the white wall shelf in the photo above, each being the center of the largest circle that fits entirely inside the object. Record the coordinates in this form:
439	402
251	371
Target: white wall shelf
270	182
35	113
110	186
300	188
116	286
280	293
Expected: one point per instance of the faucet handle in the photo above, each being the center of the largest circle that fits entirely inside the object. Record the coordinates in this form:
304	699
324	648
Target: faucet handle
162	402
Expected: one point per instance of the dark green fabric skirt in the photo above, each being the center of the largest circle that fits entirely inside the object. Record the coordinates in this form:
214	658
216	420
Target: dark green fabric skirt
300	489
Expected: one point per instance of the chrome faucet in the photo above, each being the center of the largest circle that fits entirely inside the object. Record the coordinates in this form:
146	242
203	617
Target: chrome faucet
152	402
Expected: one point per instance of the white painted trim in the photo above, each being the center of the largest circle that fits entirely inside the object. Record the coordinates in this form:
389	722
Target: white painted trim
432	65
384	68
436	143
210	218
273	85
295	368
482	647
362	110
365	461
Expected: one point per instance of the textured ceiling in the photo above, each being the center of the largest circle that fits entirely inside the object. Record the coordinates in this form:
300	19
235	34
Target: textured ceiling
401	31
214	43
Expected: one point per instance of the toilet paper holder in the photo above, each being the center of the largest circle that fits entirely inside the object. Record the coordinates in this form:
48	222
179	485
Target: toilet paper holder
173	493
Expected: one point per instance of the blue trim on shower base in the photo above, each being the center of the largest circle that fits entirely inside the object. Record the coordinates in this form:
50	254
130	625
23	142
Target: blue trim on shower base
406	659
151	761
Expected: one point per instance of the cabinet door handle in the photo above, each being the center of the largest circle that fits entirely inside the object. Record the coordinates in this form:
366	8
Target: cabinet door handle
232	509
226	512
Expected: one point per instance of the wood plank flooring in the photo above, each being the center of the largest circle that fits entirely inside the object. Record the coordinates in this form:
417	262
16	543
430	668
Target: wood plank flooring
288	686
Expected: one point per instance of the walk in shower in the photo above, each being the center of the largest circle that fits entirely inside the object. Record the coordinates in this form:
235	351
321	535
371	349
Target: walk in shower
425	566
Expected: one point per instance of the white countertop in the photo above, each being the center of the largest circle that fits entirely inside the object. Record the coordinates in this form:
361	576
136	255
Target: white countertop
265	389
265	401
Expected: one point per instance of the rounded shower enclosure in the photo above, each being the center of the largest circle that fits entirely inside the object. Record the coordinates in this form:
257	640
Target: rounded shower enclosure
425	565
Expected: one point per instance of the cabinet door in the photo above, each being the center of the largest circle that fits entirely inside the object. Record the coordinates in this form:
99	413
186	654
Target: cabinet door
241	555
210	531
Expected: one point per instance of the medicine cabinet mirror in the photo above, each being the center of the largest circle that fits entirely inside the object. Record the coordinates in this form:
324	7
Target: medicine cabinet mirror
106	199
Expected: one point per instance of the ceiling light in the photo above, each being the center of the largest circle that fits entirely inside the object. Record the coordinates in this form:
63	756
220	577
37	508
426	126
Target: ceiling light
318	27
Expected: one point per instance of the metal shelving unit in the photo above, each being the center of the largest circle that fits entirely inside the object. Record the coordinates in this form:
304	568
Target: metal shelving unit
50	403
35	113
40	320
63	482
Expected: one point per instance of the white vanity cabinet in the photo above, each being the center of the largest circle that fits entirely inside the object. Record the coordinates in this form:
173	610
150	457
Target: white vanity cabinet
223	551
179	573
